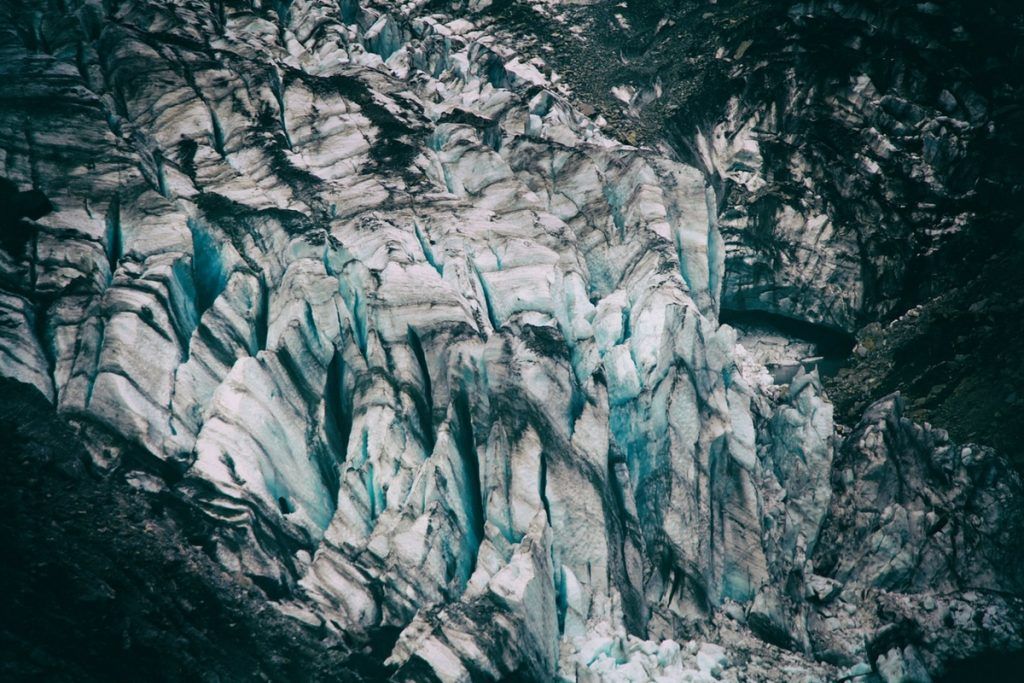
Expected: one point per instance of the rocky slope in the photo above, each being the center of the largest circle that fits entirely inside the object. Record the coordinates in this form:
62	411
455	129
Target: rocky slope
437	361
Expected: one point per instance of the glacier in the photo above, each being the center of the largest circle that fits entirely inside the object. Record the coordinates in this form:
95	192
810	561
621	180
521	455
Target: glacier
439	358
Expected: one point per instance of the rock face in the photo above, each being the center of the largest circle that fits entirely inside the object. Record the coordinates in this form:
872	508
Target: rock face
441	363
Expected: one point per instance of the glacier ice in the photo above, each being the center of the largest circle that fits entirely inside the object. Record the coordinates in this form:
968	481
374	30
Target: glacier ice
435	354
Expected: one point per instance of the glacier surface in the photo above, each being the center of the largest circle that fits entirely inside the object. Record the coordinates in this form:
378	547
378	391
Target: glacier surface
439	358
